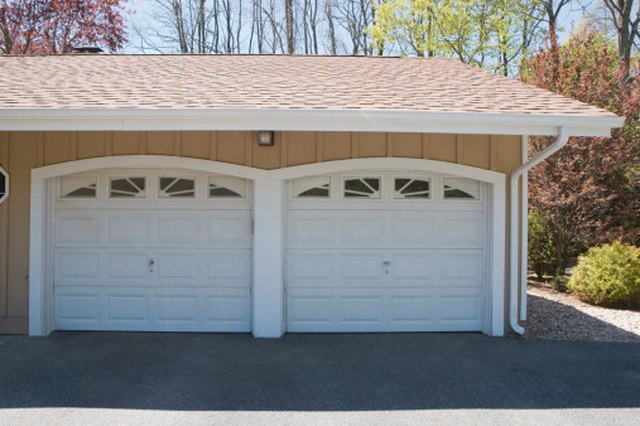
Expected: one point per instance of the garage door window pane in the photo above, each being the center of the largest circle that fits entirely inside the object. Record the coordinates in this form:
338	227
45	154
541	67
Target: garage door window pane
461	189
365	187
78	186
411	188
177	187
127	187
312	187
227	186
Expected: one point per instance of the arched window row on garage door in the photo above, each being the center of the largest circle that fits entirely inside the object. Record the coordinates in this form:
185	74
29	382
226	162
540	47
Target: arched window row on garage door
164	185
385	186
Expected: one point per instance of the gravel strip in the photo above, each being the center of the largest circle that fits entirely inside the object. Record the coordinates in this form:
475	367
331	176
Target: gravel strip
560	316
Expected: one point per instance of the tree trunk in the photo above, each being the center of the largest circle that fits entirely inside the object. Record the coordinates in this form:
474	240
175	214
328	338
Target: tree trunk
290	26
555	52
627	32
332	30
179	23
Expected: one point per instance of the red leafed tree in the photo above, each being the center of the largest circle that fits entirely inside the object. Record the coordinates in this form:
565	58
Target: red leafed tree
590	191
58	26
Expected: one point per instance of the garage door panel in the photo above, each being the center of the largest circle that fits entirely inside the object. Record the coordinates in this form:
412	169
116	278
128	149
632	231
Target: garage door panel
127	266
389	229
77	228
182	267
411	310
355	310
229	266
362	268
77	308
177	229
77	266
362	229
176	308
406	309
307	309
412	229
462	267
127	308
307	229
228	229
311	267
413	268
462	230
129	229
227	309
161	309
460	308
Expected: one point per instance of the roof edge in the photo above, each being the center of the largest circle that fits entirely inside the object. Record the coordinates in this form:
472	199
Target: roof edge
357	120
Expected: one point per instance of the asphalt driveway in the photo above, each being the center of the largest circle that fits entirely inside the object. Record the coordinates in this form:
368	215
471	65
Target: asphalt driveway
314	373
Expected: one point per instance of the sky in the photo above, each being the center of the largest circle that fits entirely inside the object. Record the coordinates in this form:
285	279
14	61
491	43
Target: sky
569	18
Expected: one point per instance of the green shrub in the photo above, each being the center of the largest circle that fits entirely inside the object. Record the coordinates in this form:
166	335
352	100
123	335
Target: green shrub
559	282
543	256
608	275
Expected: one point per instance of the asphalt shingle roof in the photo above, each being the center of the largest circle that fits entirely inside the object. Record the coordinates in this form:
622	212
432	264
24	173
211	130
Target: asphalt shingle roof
270	82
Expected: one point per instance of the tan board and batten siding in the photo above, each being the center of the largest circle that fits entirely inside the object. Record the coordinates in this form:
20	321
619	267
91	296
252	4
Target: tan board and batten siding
22	151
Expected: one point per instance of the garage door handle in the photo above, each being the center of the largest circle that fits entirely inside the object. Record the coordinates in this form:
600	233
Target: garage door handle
151	263
386	264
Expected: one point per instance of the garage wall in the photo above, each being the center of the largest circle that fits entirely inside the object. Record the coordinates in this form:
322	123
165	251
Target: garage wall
22	151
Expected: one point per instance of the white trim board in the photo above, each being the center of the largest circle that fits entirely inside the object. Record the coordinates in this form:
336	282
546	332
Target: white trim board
41	119
269	216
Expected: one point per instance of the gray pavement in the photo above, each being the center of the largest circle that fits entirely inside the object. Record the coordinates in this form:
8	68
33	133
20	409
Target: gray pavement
156	378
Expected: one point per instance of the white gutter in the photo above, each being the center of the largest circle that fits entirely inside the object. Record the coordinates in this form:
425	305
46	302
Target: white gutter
560	142
353	120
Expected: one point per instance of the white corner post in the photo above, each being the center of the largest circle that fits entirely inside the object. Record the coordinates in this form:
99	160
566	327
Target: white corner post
268	258
39	324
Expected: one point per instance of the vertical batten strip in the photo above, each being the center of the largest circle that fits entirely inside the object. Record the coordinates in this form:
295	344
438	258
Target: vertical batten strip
459	148
4	231
213	146
320	146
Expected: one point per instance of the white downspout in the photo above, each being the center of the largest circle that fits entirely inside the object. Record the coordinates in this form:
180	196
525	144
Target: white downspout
524	231
561	141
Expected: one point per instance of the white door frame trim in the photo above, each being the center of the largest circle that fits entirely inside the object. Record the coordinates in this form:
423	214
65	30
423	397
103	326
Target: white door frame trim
268	322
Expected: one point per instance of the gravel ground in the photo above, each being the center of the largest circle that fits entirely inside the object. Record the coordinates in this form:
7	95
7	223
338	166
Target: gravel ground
561	316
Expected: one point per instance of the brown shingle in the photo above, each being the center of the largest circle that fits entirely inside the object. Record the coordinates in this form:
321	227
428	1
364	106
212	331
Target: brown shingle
269	82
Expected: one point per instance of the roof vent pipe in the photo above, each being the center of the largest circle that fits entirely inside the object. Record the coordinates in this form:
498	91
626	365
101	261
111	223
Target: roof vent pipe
87	49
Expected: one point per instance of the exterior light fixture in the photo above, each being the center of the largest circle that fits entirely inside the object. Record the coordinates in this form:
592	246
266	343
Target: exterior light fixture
265	138
4	185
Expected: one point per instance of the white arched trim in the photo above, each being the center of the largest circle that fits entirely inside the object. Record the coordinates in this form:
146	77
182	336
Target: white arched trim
269	212
388	164
147	162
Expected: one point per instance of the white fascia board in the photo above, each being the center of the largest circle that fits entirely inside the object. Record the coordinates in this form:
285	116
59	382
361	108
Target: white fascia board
303	120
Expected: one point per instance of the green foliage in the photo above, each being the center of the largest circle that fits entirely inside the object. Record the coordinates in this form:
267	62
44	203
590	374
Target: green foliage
609	276
543	256
493	34
559	282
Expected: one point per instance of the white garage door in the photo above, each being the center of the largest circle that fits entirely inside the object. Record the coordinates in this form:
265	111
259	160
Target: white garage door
165	250
384	251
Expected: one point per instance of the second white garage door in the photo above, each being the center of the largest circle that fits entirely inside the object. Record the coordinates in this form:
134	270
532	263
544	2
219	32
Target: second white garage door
152	250
386	251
